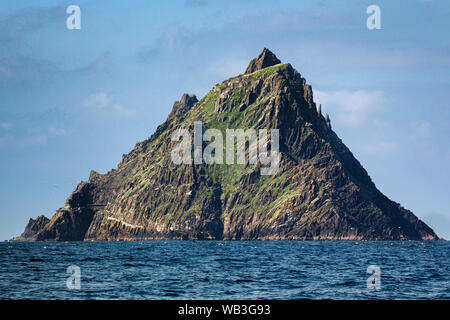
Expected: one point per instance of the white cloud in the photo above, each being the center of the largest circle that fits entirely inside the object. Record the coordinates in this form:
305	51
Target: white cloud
379	148
349	108
103	102
97	100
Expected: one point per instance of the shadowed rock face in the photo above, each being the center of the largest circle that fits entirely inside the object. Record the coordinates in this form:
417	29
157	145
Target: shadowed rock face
320	192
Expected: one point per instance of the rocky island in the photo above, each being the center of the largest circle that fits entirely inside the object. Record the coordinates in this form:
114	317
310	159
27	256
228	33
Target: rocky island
320	192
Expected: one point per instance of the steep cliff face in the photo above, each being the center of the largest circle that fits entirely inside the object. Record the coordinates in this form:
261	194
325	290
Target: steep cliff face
319	192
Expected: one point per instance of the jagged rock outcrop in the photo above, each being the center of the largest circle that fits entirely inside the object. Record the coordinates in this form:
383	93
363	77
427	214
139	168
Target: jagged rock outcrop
264	60
33	227
319	192
184	105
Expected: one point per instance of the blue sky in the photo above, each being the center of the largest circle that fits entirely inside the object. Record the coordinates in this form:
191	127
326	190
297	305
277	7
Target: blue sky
76	100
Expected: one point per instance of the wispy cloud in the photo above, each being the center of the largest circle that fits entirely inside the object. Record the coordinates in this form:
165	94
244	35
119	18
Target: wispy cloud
379	148
25	134
39	136
421	128
14	29
16	67
101	65
171	43
21	23
99	100
16	62
349	108
103	103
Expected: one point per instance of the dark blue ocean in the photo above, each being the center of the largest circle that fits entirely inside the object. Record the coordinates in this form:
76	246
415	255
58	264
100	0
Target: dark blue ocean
224	270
